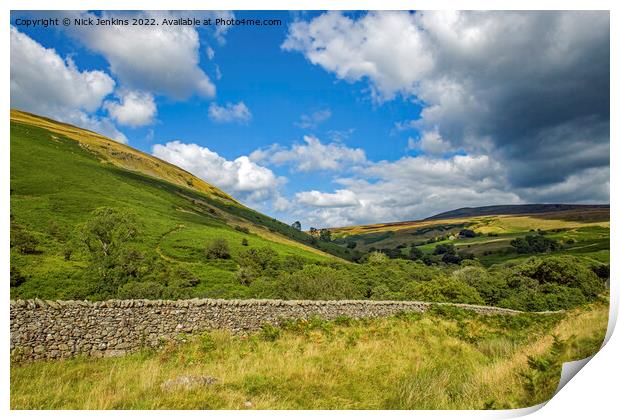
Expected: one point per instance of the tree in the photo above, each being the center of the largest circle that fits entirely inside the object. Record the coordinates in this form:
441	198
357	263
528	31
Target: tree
444	249
325	235
106	232
218	249
297	225
467	233
108	237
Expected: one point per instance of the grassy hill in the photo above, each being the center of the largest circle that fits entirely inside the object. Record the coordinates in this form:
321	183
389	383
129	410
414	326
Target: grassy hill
517	209
60	174
583	231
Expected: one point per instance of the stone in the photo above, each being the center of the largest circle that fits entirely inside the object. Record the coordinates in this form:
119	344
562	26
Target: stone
189	382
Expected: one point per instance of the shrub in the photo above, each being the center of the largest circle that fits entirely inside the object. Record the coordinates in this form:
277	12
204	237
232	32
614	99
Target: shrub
415	253
534	244
17	278
141	290
564	271
445	289
317	283
244	242
23	241
492	288
444	249
218	249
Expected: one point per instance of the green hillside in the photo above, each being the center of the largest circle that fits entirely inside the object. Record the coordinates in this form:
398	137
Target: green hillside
580	231
60	174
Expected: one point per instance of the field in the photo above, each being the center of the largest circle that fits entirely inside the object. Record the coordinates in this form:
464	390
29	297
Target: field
583	233
447	359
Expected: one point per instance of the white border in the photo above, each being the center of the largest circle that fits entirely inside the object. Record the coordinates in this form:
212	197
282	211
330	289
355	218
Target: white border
593	393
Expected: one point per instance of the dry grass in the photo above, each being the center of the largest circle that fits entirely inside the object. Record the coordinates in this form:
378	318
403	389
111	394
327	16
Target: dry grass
123	156
410	362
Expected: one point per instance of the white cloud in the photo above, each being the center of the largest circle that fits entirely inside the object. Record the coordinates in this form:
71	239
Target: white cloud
41	81
241	177
341	198
406	189
311	156
430	142
44	83
494	83
238	112
314	119
134	109
160	59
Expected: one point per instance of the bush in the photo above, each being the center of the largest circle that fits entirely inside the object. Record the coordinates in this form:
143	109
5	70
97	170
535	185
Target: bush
415	253
141	290
444	249
218	249
23	241
492	288
317	283
534	244
445	289
17	278
467	233
565	271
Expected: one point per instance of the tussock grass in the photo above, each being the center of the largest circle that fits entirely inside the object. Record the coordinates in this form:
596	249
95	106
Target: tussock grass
445	359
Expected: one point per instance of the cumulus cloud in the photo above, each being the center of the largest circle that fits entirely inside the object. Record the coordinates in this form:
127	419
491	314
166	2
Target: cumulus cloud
311	156
160	59
314	119
133	108
230	112
341	198
430	142
44	83
241	177
407	189
522	87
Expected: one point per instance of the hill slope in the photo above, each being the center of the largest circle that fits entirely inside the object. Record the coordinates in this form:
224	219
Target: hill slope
517	209
582	231
61	173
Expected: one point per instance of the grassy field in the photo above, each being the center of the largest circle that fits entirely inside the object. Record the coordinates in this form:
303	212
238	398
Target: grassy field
583	233
60	174
446	359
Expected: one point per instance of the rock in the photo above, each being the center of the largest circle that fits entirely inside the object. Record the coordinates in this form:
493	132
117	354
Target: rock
248	404
189	381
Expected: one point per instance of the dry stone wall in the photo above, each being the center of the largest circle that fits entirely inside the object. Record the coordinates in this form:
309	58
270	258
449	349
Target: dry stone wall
61	329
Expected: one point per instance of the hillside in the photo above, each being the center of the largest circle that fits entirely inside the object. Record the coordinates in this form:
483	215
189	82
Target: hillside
60	174
582	230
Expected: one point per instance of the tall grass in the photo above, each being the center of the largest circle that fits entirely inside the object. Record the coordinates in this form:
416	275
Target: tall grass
450	359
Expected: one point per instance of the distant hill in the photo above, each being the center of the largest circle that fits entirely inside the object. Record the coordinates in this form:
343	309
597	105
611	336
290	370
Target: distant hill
514	209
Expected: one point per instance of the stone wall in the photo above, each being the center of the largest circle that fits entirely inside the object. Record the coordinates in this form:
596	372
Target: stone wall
60	329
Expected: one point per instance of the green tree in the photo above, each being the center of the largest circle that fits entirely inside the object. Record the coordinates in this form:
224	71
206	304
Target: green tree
107	231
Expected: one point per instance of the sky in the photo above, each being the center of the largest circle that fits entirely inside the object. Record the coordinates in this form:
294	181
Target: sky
341	118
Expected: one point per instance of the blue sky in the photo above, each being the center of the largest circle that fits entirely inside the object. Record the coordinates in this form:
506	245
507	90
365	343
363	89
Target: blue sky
338	119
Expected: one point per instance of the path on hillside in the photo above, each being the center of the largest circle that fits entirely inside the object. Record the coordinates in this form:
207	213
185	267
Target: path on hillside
158	247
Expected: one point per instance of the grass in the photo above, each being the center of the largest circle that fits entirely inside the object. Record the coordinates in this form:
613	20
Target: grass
444	359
